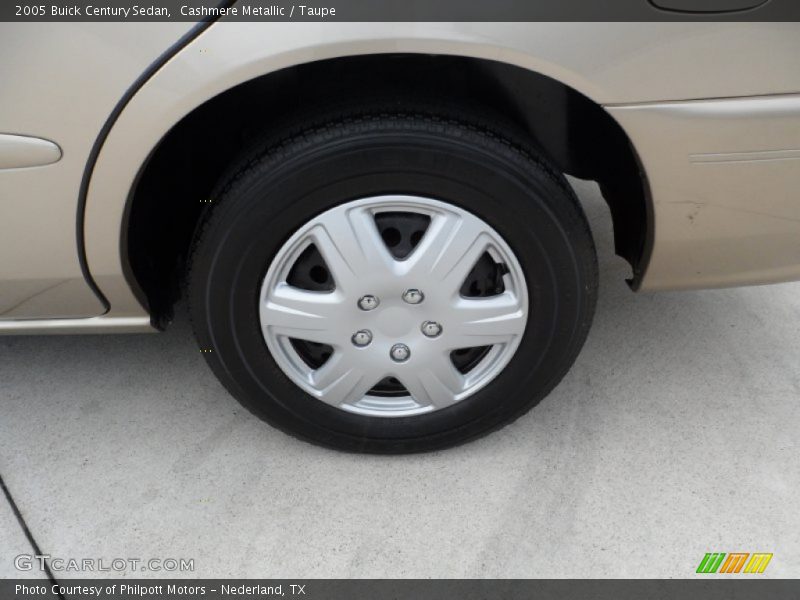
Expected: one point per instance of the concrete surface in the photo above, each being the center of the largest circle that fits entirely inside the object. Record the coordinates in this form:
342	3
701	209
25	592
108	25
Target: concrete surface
675	434
12	543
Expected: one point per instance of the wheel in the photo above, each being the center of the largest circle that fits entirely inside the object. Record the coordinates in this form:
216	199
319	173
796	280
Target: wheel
393	283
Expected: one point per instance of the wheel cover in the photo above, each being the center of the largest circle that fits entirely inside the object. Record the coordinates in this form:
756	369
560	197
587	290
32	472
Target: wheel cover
393	322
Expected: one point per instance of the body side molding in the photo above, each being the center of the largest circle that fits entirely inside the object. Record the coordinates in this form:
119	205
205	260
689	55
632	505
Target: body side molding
101	324
22	151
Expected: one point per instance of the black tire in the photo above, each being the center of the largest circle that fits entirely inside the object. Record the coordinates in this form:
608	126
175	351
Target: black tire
489	170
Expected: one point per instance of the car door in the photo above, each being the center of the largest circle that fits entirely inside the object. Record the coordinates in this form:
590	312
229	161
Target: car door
61	82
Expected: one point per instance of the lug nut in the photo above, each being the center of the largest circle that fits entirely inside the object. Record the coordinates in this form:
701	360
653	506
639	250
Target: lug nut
431	329
413	296
368	303
362	338
400	353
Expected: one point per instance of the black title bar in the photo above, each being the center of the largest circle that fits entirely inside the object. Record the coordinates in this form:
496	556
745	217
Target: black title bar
402	10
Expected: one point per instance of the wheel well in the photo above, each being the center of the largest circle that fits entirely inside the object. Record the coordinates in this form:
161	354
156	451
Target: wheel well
174	185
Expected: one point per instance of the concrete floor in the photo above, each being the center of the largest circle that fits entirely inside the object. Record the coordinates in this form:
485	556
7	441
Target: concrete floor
675	434
12	543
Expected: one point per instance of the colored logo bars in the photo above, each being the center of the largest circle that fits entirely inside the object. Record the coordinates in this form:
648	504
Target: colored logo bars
714	562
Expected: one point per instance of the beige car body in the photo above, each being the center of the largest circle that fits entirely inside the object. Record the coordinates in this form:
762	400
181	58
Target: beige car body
711	109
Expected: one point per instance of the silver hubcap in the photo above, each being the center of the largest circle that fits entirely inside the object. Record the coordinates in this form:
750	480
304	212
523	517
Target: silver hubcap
423	320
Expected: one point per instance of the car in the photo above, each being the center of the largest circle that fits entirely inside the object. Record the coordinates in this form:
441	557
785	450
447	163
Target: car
370	223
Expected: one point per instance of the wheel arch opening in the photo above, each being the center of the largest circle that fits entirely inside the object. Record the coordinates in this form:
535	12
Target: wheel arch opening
174	186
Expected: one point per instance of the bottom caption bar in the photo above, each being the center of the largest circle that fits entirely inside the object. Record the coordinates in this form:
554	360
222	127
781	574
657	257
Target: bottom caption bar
395	589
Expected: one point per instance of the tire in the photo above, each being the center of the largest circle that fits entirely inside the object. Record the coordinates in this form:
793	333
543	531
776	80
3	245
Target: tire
459	164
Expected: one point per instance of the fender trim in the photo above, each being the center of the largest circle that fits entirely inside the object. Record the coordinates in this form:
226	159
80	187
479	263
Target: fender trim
91	161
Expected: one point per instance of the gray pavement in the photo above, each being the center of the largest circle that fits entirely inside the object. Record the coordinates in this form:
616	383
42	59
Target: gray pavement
12	543
675	434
